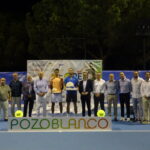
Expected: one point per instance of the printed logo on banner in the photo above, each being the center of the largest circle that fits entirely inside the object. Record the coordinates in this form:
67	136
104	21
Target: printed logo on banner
61	124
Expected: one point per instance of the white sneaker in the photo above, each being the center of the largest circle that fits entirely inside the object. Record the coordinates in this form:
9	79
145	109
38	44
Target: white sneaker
122	119
128	119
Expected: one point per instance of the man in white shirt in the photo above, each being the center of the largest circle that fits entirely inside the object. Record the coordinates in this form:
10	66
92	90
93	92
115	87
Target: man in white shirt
98	90
41	89
136	82
112	87
145	92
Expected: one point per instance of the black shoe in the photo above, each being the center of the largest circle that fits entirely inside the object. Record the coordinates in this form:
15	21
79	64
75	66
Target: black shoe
145	122
5	119
115	119
134	120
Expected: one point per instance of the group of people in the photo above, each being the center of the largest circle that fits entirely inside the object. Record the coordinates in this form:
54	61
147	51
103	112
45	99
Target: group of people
123	89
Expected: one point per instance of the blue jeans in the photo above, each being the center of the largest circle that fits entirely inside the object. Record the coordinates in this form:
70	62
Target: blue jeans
137	108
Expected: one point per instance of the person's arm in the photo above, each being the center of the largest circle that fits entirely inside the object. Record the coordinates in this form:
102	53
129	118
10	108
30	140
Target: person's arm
117	87
80	87
91	85
77	83
23	89
130	86
142	89
33	92
65	82
35	87
51	84
20	86
105	87
10	85
102	89
46	87
9	93
62	84
20	89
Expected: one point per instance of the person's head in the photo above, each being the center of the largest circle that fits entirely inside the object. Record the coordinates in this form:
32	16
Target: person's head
41	74
56	72
111	76
3	81
147	76
85	75
71	72
122	75
15	76
98	75
135	74
29	78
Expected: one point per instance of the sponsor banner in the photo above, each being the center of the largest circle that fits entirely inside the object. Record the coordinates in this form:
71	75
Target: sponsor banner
60	124
48	66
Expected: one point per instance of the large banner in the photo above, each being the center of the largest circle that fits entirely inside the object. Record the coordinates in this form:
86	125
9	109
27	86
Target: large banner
48	66
60	124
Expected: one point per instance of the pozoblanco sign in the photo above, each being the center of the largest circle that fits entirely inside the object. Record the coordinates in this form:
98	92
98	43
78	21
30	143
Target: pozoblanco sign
60	124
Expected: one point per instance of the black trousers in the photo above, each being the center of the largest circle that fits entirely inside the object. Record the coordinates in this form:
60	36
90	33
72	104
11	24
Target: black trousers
125	99
86	100
97	100
31	103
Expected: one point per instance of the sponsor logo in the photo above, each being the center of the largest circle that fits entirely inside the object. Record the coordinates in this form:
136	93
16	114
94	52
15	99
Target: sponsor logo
76	123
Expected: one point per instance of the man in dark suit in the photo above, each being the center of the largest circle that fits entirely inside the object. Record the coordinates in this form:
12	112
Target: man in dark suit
16	92
85	89
28	95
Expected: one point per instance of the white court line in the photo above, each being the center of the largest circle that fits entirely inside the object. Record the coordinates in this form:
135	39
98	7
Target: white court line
73	131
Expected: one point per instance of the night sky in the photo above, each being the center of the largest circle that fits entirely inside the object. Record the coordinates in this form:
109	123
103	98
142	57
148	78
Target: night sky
16	6
16	10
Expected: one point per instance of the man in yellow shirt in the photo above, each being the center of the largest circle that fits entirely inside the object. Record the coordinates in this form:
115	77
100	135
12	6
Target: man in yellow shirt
56	85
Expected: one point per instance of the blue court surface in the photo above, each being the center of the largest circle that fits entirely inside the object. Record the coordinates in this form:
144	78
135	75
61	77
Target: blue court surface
124	136
111	140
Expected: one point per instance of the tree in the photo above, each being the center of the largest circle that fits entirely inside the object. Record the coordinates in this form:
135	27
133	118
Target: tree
13	43
69	28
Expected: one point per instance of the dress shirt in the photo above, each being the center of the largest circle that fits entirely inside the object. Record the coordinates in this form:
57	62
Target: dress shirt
112	87
125	85
16	88
84	85
98	86
4	92
145	88
41	86
136	86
